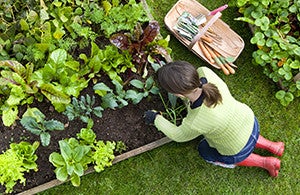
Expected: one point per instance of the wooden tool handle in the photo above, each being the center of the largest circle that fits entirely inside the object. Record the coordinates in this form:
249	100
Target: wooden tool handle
214	56
205	52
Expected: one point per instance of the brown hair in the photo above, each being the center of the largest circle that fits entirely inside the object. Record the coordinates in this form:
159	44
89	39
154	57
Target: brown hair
181	77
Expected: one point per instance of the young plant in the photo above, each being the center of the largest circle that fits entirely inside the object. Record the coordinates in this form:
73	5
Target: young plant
111	99
102	152
33	120
141	44
109	60
115	17
72	160
14	162
59	79
143	90
16	89
83	108
77	154
173	110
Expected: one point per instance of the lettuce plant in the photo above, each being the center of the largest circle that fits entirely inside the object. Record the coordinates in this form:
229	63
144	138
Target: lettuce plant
72	160
15	161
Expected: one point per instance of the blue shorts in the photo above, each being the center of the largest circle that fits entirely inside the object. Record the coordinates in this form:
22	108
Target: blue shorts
212	155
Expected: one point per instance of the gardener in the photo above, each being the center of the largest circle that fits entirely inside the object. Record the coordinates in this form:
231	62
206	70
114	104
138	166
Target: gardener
229	127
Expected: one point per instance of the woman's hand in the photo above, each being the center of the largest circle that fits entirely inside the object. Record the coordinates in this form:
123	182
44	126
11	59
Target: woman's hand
149	116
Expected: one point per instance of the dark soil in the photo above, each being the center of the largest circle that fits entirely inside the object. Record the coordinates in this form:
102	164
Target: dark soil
125	124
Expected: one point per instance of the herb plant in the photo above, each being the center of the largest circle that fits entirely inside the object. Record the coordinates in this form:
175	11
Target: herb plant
33	120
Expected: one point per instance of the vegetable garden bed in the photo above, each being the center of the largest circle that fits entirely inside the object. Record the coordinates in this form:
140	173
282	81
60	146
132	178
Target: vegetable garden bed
114	117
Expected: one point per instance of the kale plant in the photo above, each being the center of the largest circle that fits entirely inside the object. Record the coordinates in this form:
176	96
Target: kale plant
33	120
83	108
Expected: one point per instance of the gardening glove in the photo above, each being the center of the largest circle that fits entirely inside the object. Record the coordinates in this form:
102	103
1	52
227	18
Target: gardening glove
149	116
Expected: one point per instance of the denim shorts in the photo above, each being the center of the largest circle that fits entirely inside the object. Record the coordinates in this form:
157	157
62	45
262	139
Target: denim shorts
212	155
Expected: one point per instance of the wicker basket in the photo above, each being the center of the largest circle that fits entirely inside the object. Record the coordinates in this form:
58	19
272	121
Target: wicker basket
229	43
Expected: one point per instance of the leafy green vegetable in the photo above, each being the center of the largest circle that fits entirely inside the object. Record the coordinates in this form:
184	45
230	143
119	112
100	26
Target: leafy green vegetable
15	78
83	108
77	154
103	155
14	162
72	160
146	88
116	17
33	120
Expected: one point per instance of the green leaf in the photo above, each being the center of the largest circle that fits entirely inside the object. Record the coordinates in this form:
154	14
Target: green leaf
15	66
30	124
9	115
35	113
44	15
79	152
57	98
98	111
75	180
79	169
61	173
107	6
137	83
54	125
101	89
58	56
65	150
45	138
57	160
280	94
24	25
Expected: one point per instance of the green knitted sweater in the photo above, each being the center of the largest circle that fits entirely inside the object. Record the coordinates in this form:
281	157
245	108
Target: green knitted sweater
226	127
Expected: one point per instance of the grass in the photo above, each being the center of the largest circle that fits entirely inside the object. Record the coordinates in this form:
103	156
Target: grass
176	168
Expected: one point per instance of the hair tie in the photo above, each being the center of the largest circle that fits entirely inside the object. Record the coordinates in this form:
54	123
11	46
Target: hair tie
203	81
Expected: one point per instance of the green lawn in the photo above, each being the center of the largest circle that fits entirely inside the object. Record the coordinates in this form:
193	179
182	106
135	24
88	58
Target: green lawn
176	168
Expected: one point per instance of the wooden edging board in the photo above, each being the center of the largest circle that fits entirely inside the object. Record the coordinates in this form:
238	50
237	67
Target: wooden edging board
117	159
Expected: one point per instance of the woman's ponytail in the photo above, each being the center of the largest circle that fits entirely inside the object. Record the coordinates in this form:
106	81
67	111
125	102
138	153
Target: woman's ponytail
212	95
